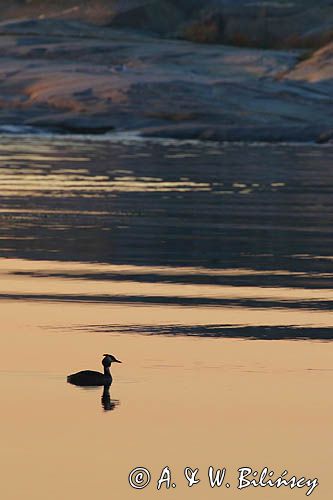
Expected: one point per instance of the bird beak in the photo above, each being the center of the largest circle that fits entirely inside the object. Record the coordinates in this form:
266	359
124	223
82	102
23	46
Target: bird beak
117	361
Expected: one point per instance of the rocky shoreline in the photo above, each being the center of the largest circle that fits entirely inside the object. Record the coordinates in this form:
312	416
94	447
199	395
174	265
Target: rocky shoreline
67	75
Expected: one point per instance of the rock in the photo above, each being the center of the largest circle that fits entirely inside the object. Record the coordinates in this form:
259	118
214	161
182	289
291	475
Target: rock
70	76
256	23
317	68
237	134
325	137
70	122
209	29
156	16
278	24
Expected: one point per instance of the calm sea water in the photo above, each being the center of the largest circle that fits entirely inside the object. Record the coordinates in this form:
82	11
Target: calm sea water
197	265
238	226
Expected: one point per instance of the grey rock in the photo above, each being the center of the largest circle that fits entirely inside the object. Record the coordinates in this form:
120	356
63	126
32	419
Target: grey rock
238	134
71	76
259	23
325	137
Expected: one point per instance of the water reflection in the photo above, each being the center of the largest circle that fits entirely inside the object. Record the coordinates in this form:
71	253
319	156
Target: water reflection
324	305
176	286
108	404
174	225
249	258
250	332
181	205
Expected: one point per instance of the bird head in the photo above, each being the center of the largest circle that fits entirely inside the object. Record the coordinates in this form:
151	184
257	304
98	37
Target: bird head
108	359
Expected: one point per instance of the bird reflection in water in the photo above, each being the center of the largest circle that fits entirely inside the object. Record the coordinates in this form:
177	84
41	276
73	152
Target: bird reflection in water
88	379
108	404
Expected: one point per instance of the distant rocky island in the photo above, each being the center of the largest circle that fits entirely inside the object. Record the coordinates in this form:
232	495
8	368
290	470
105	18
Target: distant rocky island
225	70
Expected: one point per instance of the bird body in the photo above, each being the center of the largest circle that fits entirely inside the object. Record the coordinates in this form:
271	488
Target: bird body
91	378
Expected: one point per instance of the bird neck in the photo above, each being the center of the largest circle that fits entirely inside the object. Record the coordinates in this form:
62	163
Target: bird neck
107	371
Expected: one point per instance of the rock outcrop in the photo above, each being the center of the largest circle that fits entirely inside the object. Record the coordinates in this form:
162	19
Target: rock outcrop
67	75
256	23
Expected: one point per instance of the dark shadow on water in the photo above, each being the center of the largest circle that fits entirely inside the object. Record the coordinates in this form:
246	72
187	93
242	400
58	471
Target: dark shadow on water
289	332
306	304
108	404
316	280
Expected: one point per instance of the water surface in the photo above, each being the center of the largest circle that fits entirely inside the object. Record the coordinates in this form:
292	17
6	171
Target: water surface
207	269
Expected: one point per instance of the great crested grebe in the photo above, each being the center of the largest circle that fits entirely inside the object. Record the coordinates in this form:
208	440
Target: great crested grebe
90	377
